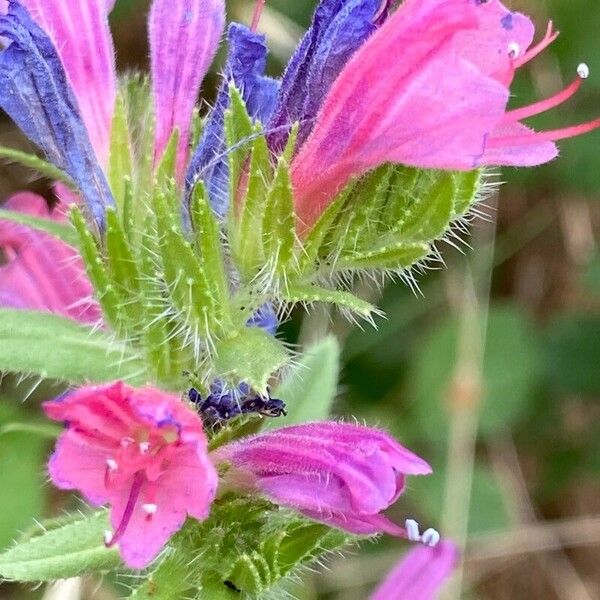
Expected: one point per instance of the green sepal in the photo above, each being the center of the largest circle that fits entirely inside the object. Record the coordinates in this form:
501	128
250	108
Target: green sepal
344	300
314	245
54	347
123	269
104	289
246	230
37	164
208	245
62	552
238	133
467	186
395	255
120	162
279	221
251	355
428	216
165	171
61	231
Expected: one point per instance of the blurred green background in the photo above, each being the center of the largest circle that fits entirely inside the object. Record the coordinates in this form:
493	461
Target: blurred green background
489	368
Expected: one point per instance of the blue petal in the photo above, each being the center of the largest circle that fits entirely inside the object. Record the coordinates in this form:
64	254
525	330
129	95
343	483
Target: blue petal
35	93
338	29
245	67
265	318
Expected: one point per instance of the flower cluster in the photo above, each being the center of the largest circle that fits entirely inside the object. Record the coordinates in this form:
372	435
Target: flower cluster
192	242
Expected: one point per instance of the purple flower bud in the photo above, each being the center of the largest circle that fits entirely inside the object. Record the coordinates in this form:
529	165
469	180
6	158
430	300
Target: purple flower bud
342	474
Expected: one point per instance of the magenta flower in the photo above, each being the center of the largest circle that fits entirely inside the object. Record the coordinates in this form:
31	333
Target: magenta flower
40	272
143	452
428	89
341	474
420	574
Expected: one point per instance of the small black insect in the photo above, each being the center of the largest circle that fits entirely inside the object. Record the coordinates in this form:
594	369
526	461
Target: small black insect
222	405
232	586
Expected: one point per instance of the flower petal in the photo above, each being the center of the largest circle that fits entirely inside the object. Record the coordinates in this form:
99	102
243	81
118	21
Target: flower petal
184	37
81	35
42	272
420	574
35	93
431	110
338	29
245	67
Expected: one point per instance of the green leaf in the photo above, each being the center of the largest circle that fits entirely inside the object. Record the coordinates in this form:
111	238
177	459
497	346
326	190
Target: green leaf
22	454
61	553
252	356
61	231
54	347
37	164
343	300
394	255
120	162
310	389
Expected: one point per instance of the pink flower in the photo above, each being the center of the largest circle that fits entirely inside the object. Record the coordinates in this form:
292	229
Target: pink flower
428	89
40	272
420	574
143	452
341	474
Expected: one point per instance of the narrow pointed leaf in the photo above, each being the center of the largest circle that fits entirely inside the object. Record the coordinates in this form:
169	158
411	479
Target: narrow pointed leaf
37	164
61	553
467	185
54	347
396	255
120	163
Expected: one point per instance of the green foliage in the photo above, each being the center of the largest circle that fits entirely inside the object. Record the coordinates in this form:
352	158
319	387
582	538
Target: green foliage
252	355
250	544
21	457
50	346
65	551
120	162
310	389
510	373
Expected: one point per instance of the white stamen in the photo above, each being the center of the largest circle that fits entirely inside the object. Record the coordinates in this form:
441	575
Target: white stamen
112	465
108	536
150	509
144	447
583	71
412	530
514	49
431	537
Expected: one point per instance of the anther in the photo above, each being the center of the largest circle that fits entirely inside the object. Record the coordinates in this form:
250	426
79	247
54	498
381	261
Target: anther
149	509
108	538
430	537
112	465
144	447
412	530
514	49
583	71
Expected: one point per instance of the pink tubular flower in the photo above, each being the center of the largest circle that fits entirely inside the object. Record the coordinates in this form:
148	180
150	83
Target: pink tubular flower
429	89
41	272
183	37
341	474
420	574
139	450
